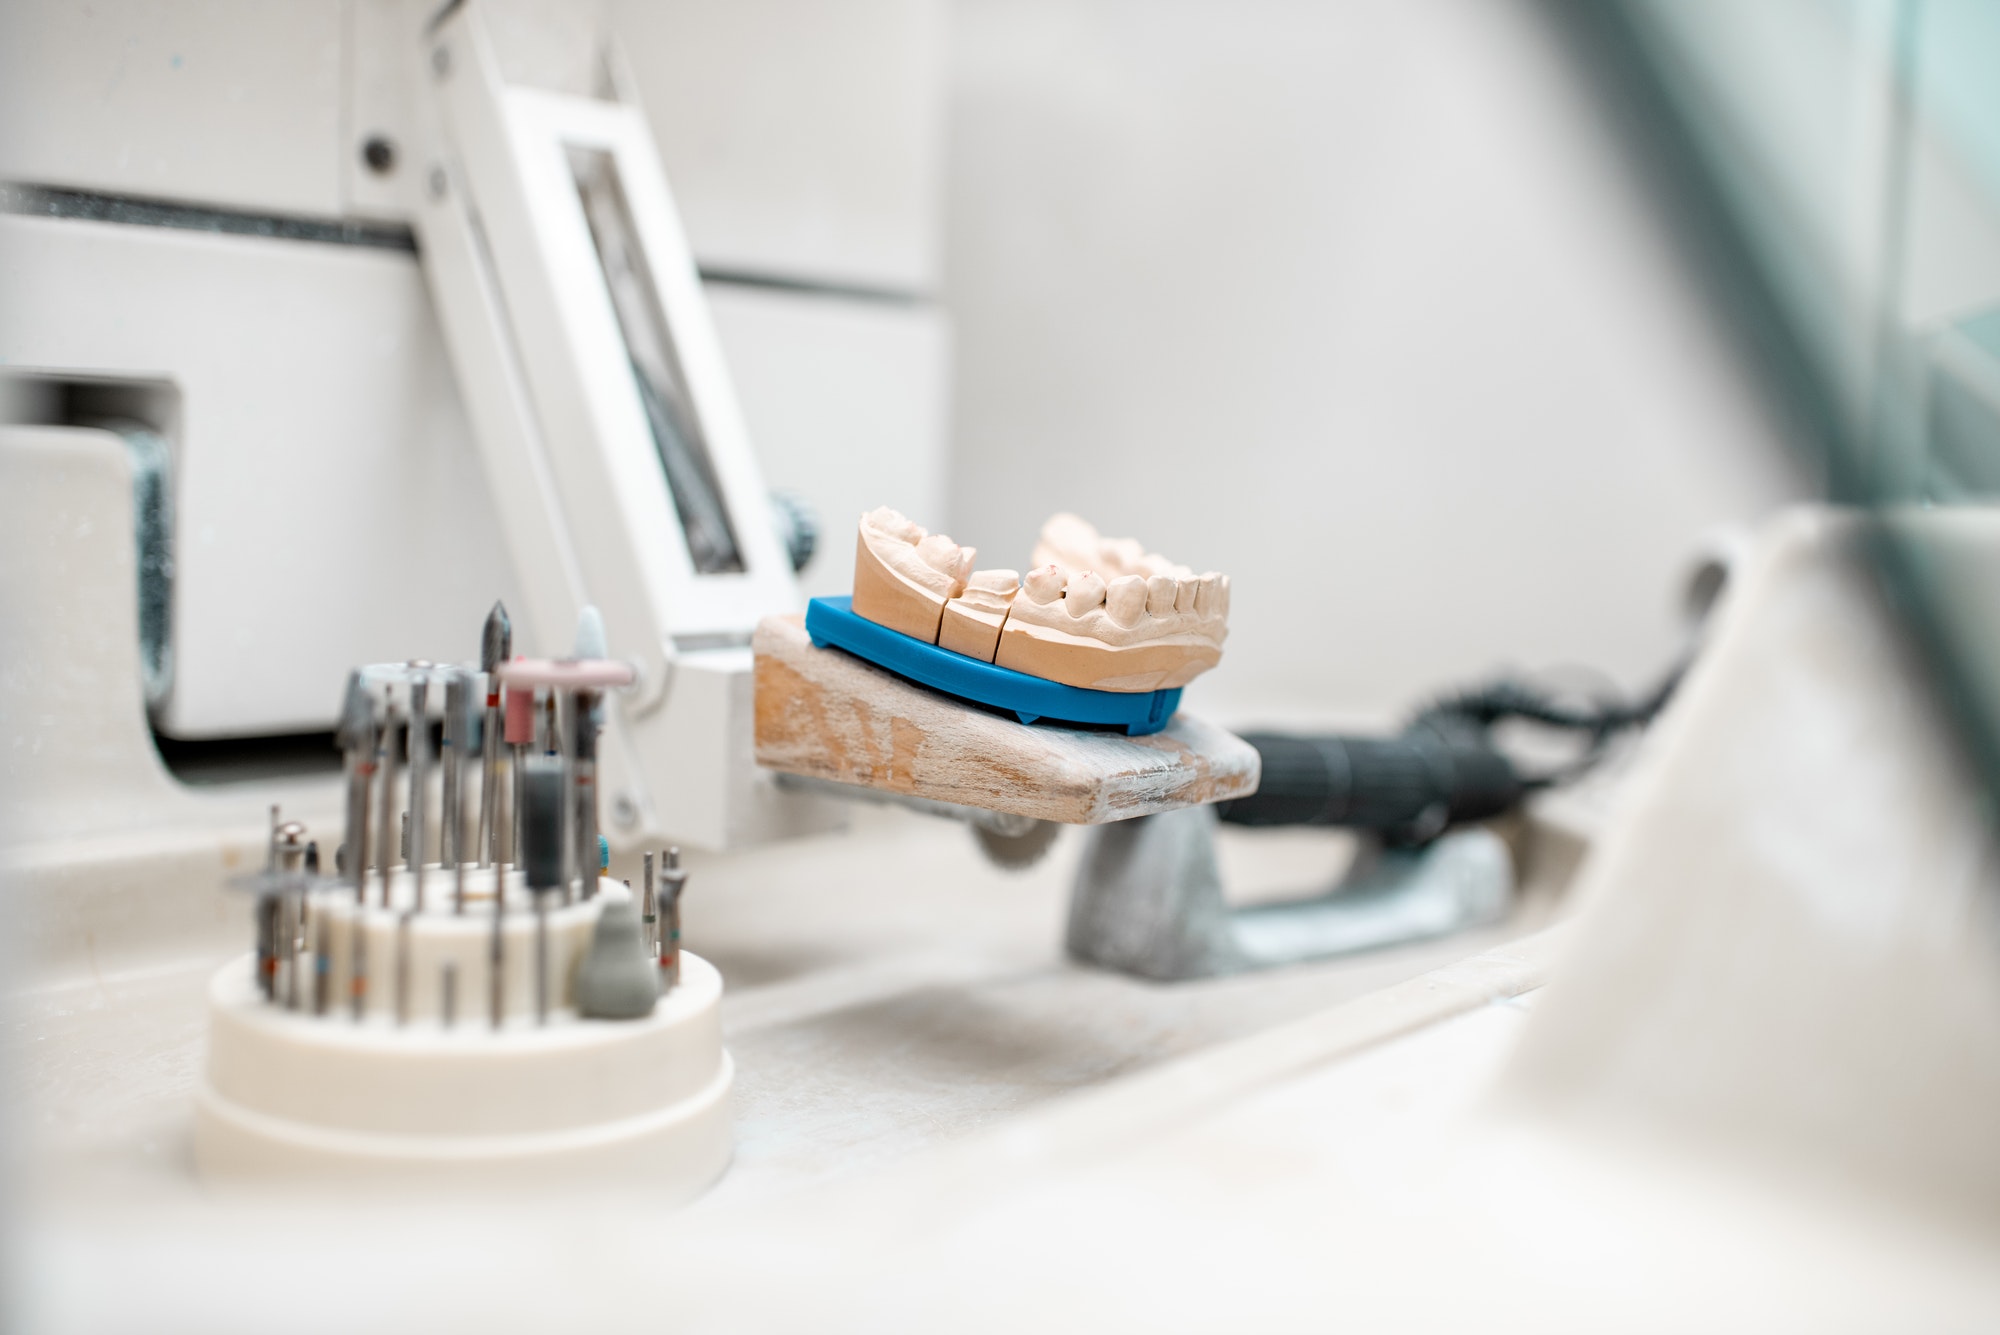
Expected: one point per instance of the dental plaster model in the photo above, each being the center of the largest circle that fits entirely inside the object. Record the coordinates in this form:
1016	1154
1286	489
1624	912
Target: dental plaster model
1100	613
903	575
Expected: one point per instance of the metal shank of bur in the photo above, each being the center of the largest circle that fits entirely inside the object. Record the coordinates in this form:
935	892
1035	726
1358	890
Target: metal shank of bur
497	952
357	738
386	822
420	765
673	879
583	775
451	757
314	931
542	793
496	642
650	909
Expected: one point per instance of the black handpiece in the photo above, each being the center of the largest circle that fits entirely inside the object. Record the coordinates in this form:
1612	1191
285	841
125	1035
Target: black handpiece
1408	789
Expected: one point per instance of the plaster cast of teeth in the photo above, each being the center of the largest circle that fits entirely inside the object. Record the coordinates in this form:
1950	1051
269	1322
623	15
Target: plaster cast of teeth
1101	613
1125	600
1084	593
972	621
903	575
1045	583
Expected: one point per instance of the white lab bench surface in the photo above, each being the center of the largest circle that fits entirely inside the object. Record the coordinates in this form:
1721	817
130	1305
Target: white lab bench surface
888	993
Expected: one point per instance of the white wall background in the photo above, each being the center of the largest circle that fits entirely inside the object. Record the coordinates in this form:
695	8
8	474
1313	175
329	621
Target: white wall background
1357	302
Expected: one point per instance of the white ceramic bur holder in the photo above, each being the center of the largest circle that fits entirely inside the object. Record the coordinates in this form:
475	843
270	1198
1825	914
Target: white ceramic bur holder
290	1097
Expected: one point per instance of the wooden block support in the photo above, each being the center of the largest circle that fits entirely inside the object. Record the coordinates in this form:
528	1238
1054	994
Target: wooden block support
826	714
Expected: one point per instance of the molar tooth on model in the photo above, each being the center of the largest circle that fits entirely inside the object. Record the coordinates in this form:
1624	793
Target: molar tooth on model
1125	599
1146	635
945	556
1044	583
898	580
893	523
1084	594
1095	612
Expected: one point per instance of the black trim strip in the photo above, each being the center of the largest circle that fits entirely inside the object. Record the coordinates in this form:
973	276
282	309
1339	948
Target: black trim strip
810	287
91	206
52	202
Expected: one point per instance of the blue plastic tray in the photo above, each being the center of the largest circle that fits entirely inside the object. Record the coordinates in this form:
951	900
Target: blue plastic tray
831	621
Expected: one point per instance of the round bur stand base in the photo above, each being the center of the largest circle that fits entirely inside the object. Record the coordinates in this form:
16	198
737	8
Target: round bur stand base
291	1098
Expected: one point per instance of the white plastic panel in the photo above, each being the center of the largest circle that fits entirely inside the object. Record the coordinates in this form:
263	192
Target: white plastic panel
331	509
803	138
235	103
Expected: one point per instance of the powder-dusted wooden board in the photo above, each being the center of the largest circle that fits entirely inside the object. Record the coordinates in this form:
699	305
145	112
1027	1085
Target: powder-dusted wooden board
826	714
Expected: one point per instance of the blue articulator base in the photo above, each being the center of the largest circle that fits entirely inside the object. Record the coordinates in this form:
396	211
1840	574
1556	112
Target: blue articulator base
831	621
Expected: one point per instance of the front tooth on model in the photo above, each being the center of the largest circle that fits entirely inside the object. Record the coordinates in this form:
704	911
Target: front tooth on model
1222	597
1125	599
1085	593
1205	590
1160	596
1184	595
1044	584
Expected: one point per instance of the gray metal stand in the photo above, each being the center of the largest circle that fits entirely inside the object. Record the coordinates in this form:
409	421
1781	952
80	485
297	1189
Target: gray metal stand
1148	901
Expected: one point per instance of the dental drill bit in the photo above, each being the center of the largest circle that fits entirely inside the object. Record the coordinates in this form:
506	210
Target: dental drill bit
583	783
496	643
457	731
387	816
548	730
357	739
673	879
496	955
451	752
649	907
290	846
420	766
542	859
265	909
584	717
520	737
313	929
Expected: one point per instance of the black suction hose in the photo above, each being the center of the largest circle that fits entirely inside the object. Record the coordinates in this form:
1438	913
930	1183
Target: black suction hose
1443	770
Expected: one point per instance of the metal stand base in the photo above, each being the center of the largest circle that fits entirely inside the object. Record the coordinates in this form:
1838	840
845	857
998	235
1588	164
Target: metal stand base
1148	901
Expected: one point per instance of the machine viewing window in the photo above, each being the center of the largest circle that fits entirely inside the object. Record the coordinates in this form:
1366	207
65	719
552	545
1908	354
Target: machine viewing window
663	389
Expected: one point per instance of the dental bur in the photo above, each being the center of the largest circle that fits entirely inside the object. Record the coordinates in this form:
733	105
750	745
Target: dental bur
673	879
520	736
649	908
496	642
590	646
451	753
387	822
542	858
356	738
420	788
